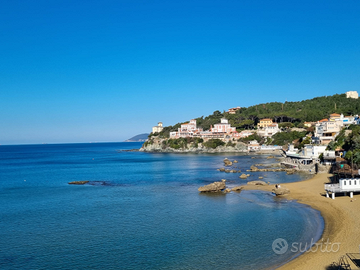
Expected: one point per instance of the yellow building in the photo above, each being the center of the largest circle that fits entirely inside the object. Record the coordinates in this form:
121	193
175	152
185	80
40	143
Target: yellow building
265	123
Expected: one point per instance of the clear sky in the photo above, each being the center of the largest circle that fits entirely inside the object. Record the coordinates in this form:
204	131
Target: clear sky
85	71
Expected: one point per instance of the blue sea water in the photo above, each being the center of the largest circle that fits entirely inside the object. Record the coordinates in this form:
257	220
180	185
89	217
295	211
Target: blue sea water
142	211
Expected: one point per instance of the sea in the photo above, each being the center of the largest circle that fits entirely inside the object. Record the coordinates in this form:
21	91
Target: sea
142	211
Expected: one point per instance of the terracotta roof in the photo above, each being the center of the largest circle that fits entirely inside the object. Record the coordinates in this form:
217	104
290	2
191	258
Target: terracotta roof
266	119
324	120
334	114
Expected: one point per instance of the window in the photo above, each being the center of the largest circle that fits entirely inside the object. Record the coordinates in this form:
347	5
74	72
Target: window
349	183
344	183
355	182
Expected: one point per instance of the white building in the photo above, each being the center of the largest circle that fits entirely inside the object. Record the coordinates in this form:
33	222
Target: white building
352	94
326	131
269	130
347	120
253	146
158	128
313	151
345	185
186	130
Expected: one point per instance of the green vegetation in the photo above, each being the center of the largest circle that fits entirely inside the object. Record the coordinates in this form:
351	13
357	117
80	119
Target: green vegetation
252	137
148	142
350	143
181	143
287	114
213	143
284	138
297	112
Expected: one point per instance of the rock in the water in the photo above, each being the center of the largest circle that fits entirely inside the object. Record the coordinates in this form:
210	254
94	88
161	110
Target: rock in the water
227	171
260	177
227	162
253	168
281	191
257	183
235	161
243	176
227	190
238	188
213	187
78	182
222	169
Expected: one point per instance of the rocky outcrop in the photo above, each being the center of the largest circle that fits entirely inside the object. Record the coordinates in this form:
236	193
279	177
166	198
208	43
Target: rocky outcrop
256	169
258	183
244	176
78	182
214	187
237	189
227	162
281	191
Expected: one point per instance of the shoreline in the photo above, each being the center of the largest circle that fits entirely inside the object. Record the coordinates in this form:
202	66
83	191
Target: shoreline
340	223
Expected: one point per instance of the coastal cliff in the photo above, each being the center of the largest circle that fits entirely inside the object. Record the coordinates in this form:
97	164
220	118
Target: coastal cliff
156	144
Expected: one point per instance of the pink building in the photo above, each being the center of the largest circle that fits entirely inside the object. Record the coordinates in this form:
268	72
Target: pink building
223	127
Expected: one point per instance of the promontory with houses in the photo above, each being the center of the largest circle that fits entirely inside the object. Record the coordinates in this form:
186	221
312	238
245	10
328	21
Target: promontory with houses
304	132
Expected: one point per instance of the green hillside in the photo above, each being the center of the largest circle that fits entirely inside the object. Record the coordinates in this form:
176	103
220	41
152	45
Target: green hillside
288	113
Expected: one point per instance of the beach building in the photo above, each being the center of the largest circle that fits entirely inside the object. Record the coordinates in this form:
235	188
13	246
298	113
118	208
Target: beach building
329	157
345	185
270	147
352	94
313	151
253	146
264	122
233	110
158	128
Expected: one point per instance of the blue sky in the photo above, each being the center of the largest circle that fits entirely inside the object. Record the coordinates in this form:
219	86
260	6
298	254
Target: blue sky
85	71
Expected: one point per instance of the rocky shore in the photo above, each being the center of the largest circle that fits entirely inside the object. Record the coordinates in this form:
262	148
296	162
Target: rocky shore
157	145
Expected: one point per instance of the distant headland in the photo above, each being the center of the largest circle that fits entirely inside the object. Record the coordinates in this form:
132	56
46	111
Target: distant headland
138	138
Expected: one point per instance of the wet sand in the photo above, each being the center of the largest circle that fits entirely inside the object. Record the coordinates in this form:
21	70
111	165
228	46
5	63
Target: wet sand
342	223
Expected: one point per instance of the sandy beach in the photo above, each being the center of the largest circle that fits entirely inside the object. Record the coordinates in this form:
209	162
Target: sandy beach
341	216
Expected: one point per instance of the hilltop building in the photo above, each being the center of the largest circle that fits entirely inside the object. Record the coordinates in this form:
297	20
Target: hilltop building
352	94
158	128
233	110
